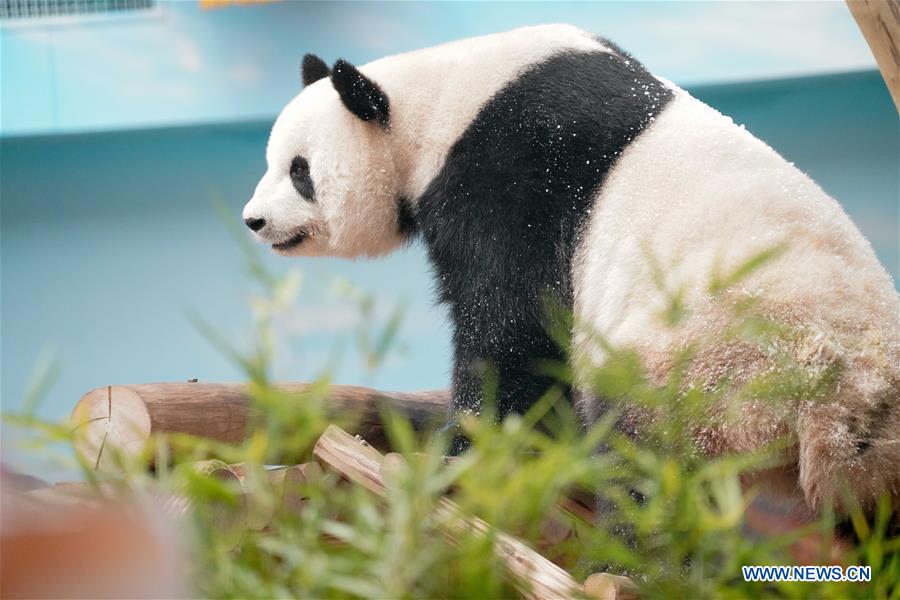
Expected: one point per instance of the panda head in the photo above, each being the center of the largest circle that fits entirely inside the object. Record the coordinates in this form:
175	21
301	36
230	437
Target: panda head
331	186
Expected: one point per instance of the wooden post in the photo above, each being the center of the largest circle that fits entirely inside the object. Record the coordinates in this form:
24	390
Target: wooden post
122	418
879	21
535	576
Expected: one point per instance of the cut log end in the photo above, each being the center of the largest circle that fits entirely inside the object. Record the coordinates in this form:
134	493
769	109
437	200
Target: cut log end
108	420
605	586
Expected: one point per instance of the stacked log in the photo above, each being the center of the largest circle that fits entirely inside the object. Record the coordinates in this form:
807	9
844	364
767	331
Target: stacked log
359	463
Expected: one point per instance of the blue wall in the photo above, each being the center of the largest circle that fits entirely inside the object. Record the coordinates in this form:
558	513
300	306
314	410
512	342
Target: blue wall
184	65
110	240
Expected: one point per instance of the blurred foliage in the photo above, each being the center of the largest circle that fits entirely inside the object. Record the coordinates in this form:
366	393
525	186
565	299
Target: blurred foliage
674	519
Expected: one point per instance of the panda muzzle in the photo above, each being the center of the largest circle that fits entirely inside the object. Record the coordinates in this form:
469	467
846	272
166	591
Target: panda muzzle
295	240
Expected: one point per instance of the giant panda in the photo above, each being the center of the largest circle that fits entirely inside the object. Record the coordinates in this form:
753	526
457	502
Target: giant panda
543	163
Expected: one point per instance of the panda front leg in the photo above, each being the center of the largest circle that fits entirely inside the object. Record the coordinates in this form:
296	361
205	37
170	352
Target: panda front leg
512	358
467	399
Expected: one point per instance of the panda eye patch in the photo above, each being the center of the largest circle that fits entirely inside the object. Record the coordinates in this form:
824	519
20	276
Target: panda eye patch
301	178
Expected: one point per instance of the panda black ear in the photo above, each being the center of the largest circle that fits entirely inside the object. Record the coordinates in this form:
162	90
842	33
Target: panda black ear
360	95
313	69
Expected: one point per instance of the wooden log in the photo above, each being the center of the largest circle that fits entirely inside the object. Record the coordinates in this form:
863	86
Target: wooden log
578	505
535	576
123	418
175	504
287	484
288	487
14	481
605	586
229	519
879	21
295	478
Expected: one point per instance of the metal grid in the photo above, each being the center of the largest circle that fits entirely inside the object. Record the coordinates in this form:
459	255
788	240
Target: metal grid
42	9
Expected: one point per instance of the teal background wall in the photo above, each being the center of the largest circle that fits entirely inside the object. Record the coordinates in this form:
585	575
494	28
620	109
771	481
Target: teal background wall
183	65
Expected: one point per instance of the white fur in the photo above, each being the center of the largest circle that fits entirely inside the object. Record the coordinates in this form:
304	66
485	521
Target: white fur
701	195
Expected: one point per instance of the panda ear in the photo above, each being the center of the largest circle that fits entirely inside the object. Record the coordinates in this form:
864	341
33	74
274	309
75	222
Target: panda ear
360	95
313	69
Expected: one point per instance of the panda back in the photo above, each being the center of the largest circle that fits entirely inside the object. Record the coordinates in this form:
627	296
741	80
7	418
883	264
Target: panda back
508	206
699	194
437	93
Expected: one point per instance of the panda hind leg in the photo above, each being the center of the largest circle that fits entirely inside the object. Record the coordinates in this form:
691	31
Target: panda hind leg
849	447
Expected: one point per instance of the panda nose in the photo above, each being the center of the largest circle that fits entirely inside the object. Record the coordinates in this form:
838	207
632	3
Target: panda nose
255	224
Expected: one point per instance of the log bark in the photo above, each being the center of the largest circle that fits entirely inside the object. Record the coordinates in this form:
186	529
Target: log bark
123	418
879	21
535	576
